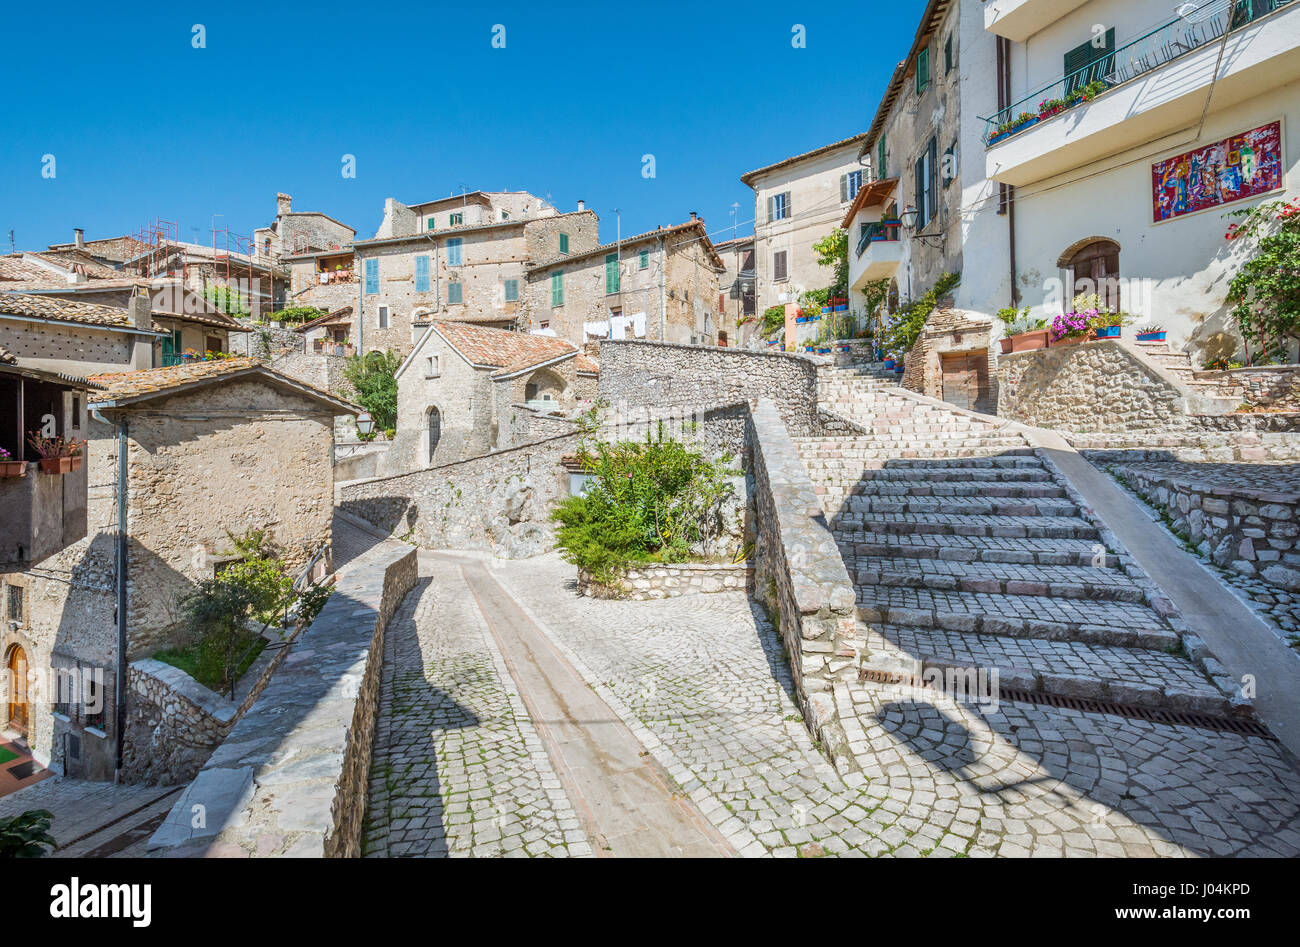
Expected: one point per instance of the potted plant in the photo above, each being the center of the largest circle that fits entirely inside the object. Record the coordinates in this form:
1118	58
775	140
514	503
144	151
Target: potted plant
1023	334
889	364
10	467
1106	325
56	453
1049	107
1151	333
1071	327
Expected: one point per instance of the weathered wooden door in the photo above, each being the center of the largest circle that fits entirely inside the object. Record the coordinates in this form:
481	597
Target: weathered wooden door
18	712
966	380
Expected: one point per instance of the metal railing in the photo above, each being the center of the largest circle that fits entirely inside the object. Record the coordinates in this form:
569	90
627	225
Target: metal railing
883	230
1198	25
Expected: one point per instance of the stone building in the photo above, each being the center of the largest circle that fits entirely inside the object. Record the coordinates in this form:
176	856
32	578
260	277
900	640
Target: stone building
461	259
662	284
297	232
798	201
211	448
467	389
737	298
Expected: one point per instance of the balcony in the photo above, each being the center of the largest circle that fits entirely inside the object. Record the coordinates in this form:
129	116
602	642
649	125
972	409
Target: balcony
878	253
329	277
1018	20
328	347
1146	89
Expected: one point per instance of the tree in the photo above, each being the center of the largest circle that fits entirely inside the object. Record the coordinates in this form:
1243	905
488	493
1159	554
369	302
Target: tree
226	299
373	375
1265	293
833	250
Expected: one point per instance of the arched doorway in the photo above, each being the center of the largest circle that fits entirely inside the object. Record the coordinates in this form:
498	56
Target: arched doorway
19	714
435	431
1093	266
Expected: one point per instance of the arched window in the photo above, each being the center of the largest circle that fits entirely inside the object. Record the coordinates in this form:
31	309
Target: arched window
1093	267
435	431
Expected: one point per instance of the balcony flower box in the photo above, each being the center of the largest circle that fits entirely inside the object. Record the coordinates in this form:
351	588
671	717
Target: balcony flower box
76	461
998	137
898	369
826	310
889	364
823	351
56	465
1152	336
1107	332
800	319
12	468
773	341
1025	341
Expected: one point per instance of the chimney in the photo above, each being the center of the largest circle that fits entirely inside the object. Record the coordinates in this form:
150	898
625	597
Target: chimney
692	216
79	238
582	205
141	309
283	205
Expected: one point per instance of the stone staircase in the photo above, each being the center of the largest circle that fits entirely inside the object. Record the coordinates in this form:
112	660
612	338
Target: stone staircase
968	550
1180	364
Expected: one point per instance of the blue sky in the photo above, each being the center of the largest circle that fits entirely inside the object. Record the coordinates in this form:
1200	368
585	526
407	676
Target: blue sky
143	125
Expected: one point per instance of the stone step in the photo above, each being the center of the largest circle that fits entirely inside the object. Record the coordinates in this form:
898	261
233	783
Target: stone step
979	477
955	548
948	524
1119	624
1077	669
962	505
951	488
1017	460
1073	581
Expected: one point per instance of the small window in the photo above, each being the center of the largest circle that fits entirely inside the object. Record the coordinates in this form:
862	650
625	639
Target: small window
505	215
643	260
76	412
94	698
948	60
457	219
778	266
950	164
778	206
454	251
557	288
383	317
850	184
564	243
923	70
432	366
421	274
454	293
15	611
512	290
431	224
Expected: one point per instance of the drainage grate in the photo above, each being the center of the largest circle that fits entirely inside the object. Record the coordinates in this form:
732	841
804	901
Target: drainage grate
1247	726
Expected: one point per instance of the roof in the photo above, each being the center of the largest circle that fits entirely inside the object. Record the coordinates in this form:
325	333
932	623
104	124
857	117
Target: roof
218	320
506	351
934	12
7	367
628	241
328	319
587	365
123	388
109	248
749	176
63	310
478	197
868	196
465	228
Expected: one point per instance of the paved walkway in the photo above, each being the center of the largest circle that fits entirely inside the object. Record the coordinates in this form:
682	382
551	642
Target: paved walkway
95	819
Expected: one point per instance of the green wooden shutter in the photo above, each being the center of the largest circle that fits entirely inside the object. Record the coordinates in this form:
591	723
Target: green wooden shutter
564	243
880	155
922	70
557	288
512	290
645	260
611	273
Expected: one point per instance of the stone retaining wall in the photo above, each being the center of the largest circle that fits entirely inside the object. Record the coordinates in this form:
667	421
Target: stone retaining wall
1250	527
668	581
692	377
801	575
1265	385
291	777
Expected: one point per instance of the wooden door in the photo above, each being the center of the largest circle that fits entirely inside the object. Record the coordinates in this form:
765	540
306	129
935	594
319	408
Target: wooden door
966	380
18	709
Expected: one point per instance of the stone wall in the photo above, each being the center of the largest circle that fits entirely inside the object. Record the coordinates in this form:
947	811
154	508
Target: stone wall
1266	385
948	332
1242	518
670	580
672	378
799	572
290	779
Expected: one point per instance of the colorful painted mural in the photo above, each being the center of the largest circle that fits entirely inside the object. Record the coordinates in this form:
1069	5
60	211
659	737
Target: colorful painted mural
1233	169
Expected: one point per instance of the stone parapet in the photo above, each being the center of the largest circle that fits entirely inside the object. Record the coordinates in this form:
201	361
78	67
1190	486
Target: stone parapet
652	581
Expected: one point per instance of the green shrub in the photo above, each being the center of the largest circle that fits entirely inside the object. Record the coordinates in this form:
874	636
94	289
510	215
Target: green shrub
296	314
373	375
647	501
906	326
26	835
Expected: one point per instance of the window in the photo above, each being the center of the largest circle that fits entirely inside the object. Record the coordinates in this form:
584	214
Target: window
76	412
372	277
95	704
880	157
778	206
1087	63
923	70
1094	268
456	220
432	366
948	60
643	260
421	274
453	252
212	343
455	292
505	215
564	243
15	611
611	273
950	164
431	224
778	265
926	184
383	317
850	184
557	288
512	290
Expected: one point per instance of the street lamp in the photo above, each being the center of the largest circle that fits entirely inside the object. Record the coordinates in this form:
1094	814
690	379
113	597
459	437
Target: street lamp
908	217
365	424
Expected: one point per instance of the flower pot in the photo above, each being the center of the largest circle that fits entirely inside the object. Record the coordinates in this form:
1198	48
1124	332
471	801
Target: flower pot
823	351
76	463
56	465
898	369
889	364
12	468
841	308
1151	336
1108	332
1026	341
997	138
1069	340
826	310
800	318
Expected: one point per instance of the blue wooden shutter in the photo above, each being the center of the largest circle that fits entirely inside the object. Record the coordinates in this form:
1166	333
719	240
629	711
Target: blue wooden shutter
372	277
453	252
512	290
421	274
645	259
454	292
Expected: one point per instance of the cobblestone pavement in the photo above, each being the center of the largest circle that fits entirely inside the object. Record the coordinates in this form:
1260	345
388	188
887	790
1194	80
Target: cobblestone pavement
458	768
95	819
703	680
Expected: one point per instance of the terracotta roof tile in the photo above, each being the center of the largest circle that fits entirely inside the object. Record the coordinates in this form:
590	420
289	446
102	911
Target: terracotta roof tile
123	386
588	365
501	349
62	310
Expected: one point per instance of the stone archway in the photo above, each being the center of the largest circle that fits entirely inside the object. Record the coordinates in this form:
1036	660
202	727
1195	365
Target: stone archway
1091	266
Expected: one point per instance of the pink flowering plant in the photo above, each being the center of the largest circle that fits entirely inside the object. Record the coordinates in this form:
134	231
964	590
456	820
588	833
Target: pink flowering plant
1069	325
